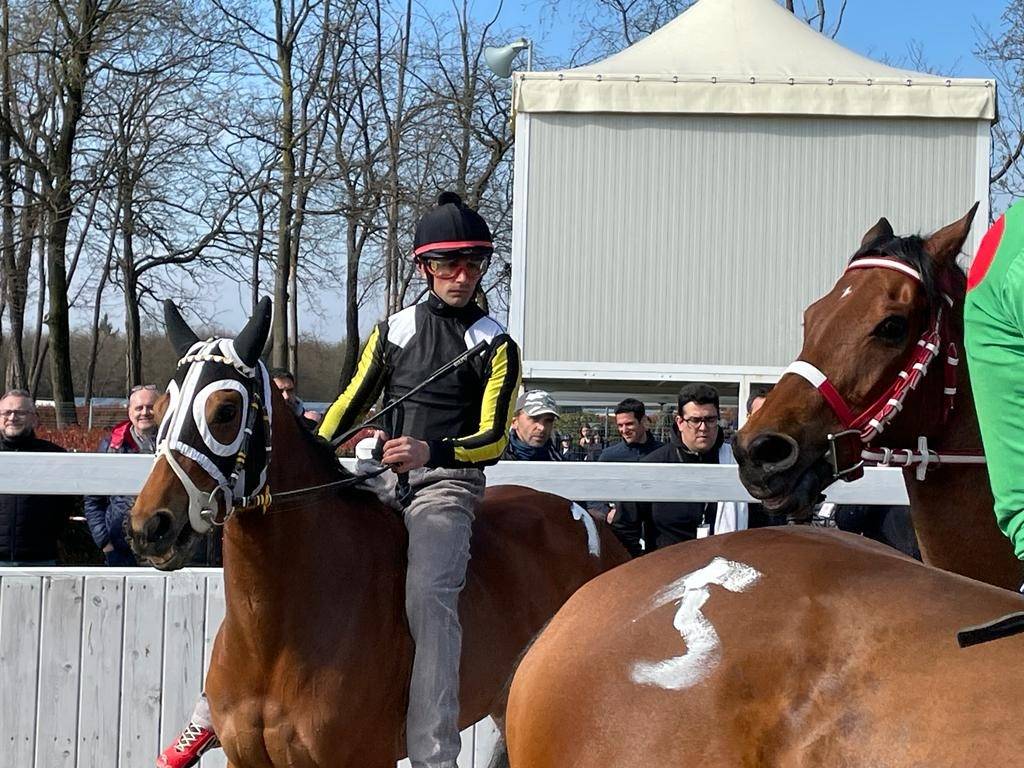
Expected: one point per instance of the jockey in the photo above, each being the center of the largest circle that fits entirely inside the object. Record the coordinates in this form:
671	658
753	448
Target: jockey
450	430
994	338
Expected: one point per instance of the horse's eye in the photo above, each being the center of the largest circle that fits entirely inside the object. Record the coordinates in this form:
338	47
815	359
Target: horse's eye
224	413
893	328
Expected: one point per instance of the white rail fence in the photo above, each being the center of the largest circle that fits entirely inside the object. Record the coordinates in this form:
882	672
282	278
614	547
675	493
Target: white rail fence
100	667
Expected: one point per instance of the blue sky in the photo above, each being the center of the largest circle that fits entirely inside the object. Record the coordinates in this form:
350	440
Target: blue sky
882	29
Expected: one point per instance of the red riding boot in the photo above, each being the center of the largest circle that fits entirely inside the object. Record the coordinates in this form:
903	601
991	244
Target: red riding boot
188	747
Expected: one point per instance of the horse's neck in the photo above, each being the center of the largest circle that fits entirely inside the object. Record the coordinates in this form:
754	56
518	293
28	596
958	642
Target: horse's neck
952	508
282	564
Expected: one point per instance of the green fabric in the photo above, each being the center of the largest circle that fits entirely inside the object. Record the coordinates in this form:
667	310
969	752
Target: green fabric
994	337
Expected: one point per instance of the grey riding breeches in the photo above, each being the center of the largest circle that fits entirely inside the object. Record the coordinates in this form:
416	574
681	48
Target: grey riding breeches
439	519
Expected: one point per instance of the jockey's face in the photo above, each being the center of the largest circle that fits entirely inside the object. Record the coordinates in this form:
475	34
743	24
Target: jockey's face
456	287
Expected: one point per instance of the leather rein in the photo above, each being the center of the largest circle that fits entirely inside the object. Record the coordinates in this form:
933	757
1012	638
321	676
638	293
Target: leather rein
862	427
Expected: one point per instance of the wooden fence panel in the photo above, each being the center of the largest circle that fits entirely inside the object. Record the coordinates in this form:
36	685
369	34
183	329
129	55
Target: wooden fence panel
99	708
107	665
214	616
60	649
141	691
19	667
183	654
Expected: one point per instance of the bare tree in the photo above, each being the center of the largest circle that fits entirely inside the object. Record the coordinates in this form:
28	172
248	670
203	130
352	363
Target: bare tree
1003	51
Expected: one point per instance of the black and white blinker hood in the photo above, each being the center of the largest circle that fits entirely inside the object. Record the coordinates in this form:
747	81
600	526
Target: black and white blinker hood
207	367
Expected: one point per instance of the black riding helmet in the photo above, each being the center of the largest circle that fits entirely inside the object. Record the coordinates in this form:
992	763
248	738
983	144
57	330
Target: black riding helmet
450	230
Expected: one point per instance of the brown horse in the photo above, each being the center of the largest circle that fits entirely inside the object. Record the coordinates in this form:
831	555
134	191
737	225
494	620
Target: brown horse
861	340
798	647
311	664
773	647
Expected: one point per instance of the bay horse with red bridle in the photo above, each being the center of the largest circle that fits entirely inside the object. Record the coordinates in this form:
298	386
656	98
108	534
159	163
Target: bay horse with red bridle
795	646
881	378
311	664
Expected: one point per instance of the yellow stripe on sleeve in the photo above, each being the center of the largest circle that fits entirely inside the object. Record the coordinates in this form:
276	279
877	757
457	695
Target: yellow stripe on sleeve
362	391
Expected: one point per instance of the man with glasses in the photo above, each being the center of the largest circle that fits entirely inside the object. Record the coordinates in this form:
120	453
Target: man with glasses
697	439
106	514
30	524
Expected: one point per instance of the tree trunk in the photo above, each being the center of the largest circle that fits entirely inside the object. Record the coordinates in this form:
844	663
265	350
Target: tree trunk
351	359
57	322
38	345
282	274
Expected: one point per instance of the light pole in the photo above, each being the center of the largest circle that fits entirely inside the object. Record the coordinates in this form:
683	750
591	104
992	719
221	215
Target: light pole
500	59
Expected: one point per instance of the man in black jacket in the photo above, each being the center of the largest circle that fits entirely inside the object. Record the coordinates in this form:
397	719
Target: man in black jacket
637	442
29	524
698	439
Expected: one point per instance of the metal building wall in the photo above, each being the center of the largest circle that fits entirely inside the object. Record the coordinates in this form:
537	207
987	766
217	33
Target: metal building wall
699	240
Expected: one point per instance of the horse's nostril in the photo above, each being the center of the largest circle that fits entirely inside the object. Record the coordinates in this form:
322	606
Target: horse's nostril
158	526
774	451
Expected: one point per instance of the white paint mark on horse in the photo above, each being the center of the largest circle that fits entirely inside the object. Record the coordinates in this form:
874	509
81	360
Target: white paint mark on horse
593	540
847	292
703	646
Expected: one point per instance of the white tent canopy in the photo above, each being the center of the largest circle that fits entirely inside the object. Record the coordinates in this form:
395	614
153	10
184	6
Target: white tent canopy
749	57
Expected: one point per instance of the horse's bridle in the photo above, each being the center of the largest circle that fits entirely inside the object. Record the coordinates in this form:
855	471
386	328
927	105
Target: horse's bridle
229	495
214	457
854	442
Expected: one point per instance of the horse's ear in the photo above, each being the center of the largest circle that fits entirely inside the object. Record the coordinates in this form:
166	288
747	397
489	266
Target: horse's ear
249	343
881	231
944	246
182	337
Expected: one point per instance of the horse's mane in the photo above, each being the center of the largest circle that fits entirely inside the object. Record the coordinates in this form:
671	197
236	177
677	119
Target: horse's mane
321	448
910	250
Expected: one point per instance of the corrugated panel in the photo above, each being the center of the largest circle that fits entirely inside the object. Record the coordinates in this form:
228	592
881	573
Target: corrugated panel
700	240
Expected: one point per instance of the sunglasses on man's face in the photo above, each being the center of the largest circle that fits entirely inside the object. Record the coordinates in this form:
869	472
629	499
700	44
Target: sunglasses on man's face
446	268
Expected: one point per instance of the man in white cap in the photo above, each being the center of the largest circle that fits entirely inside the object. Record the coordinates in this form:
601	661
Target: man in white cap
531	437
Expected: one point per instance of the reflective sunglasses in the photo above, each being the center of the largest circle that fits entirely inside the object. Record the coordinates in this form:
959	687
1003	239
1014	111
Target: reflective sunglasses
447	268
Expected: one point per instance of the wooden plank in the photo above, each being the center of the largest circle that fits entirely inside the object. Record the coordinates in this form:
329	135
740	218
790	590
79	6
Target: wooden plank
215	758
485	739
20	606
183	652
99	707
139	742
60	650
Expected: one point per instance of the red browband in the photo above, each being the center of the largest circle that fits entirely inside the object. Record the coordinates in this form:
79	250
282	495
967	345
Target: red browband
452	245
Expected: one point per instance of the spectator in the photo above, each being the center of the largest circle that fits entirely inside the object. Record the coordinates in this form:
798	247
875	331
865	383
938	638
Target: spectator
696	439
531	437
590	445
755	401
565	449
30	524
285	381
106	514
758	518
637	442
